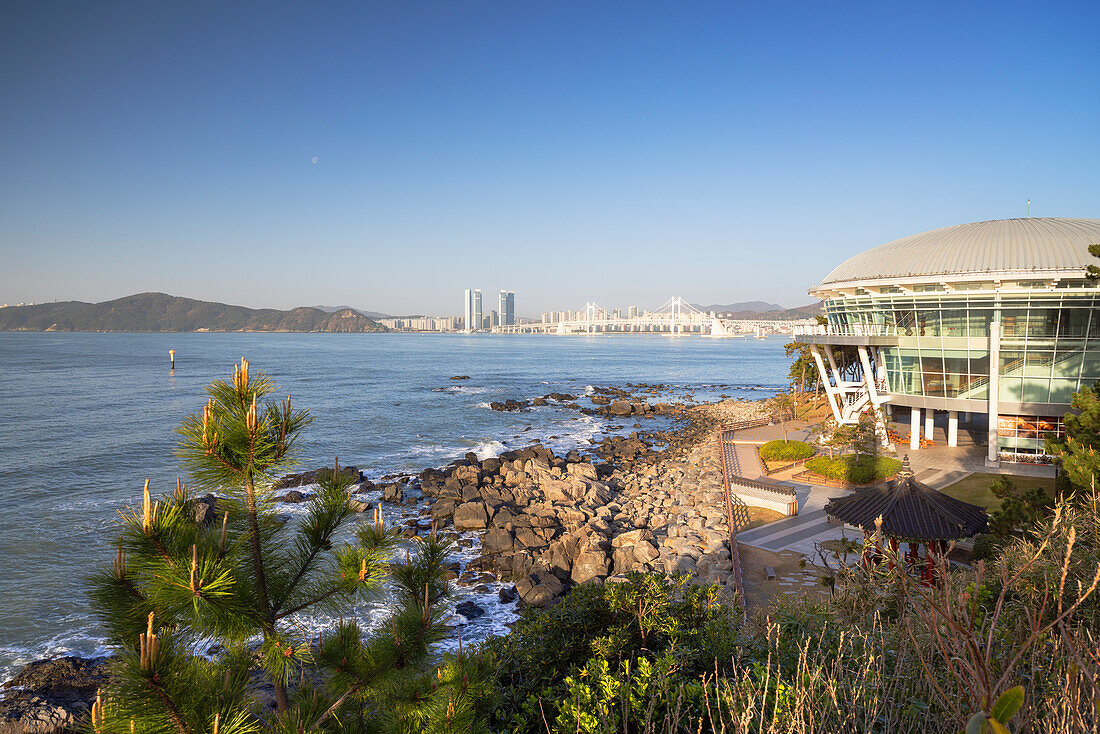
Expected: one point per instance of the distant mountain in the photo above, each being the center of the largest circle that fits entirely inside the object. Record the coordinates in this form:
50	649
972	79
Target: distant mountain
772	314
368	314
161	312
754	306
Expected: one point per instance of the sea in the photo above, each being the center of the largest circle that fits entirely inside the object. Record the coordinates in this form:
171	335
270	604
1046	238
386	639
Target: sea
86	418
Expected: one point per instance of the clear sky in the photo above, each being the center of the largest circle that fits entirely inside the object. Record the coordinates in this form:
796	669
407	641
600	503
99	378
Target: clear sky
388	155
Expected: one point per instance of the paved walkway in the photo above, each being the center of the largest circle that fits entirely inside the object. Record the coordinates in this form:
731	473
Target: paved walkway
809	526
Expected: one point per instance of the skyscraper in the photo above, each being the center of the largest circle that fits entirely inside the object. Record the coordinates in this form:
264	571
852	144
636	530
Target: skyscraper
507	308
472	314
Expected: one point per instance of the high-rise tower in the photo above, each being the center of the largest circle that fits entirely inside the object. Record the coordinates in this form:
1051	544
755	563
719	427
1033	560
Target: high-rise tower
507	308
472	313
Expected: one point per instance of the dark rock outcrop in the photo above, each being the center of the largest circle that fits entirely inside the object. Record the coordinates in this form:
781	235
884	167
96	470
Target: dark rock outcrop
53	696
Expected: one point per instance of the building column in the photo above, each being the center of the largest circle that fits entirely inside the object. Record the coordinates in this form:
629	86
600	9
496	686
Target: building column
952	428
966	417
929	423
993	458
914	429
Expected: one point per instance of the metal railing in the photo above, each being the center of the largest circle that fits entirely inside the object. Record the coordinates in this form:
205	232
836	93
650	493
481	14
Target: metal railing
846	330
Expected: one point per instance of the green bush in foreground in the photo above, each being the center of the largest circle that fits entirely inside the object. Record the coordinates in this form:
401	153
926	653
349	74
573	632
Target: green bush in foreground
854	470
573	663
786	450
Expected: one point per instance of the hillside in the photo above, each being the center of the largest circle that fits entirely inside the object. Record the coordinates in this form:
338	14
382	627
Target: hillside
776	313
161	312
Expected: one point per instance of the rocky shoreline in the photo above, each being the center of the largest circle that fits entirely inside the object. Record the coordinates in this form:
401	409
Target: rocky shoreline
647	501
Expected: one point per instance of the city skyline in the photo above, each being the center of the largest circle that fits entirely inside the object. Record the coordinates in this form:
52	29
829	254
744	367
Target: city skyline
386	155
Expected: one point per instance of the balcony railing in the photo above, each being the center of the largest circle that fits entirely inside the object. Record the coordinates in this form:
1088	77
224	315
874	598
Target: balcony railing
849	330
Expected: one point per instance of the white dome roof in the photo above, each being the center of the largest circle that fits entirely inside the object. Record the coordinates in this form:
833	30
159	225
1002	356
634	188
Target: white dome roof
1027	245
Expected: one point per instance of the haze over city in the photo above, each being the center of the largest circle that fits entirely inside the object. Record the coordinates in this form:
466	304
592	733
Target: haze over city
388	156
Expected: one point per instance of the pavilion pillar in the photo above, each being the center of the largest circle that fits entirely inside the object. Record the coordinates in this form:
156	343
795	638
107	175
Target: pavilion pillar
914	429
952	428
929	423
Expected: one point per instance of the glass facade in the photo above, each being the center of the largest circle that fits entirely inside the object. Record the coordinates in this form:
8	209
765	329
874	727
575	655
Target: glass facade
1049	347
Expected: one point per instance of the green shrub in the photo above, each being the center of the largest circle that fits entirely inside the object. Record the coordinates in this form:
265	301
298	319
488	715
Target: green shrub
848	469
986	546
786	450
668	621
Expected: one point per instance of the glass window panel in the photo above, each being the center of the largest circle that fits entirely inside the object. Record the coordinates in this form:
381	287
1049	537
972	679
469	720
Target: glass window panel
1038	364
1042	323
910	361
1061	391
935	385
931	360
1090	365
1036	390
1067	363
979	322
1013	322
1074	322
1011	389
979	363
928	322
955	362
1012	363
954	322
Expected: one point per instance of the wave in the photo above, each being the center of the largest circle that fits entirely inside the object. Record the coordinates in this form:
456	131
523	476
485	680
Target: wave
489	449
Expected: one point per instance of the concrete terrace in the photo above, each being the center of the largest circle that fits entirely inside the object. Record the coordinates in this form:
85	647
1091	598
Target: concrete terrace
936	466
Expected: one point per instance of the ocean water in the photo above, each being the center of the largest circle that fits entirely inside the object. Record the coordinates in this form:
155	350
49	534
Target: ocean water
86	418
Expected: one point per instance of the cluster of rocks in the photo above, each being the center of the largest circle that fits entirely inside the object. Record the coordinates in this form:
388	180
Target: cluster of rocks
624	408
50	696
550	522
516	405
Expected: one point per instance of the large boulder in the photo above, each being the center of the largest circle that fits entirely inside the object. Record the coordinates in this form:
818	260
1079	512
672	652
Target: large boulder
394	492
469	610
591	564
497	540
620	407
471	516
54	696
539	589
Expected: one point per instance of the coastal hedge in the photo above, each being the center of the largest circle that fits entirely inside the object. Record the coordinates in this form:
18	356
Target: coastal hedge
786	450
849	469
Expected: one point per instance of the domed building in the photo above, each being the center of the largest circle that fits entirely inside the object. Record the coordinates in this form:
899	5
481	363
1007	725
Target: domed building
992	320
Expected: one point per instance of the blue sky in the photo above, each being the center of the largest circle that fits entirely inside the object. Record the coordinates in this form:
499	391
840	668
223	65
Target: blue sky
388	155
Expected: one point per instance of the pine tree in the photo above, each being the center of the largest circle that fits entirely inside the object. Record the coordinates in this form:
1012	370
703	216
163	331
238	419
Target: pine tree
237	588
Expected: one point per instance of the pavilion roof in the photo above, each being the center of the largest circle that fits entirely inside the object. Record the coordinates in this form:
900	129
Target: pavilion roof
910	510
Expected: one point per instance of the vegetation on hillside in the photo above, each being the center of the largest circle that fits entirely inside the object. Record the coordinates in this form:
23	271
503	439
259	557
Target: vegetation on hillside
160	312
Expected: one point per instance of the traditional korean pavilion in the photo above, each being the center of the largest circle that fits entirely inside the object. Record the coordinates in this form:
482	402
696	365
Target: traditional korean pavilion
904	510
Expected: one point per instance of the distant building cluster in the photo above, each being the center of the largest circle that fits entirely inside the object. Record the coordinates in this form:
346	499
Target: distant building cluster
423	323
557	317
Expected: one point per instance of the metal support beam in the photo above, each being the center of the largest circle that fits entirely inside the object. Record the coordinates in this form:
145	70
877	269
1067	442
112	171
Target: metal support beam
868	375
825	383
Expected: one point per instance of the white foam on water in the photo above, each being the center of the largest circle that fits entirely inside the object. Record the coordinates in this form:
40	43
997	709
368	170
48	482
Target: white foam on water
489	449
